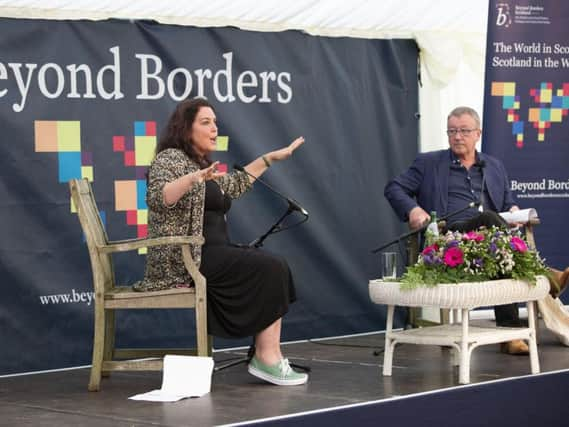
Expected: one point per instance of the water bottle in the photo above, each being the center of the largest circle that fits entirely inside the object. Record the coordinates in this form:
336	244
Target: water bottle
433	228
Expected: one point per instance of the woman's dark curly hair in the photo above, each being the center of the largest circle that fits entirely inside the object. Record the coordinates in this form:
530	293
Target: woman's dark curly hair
177	133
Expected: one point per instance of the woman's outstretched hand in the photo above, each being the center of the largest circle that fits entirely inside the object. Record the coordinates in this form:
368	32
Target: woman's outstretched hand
286	152
208	173
258	166
175	190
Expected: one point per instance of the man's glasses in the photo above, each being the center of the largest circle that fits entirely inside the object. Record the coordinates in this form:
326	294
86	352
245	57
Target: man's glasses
463	132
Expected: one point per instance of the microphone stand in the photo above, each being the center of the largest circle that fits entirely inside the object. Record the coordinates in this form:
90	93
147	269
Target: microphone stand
424	227
482	164
292	206
258	242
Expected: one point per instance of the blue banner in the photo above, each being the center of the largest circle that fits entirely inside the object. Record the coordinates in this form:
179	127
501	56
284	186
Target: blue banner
89	99
526	105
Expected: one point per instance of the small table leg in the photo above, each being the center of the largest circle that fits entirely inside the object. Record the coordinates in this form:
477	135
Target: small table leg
464	368
533	356
389	344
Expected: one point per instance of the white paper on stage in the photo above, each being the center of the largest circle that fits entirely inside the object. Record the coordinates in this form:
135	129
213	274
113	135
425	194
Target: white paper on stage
182	377
521	216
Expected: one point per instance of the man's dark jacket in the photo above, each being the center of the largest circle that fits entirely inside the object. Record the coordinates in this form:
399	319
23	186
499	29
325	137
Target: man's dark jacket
425	184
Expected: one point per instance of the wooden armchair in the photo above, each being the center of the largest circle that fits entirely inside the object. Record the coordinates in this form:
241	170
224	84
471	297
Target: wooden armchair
109	297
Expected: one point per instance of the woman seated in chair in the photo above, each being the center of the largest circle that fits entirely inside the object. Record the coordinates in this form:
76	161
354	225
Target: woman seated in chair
248	290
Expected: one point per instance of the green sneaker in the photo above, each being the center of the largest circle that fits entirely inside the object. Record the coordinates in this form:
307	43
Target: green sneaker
280	373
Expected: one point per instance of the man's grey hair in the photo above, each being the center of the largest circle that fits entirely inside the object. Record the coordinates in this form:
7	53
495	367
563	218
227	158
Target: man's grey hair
459	111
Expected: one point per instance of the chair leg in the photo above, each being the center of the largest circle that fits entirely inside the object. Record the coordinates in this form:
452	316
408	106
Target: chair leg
109	339
203	343
98	347
210	345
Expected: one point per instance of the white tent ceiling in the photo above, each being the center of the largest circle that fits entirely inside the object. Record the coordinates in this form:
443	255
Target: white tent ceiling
450	34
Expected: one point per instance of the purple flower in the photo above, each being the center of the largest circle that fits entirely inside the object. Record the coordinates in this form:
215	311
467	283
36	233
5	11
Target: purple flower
430	250
452	244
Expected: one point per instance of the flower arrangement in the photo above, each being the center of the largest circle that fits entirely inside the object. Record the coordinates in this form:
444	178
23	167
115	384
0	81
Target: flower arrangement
485	254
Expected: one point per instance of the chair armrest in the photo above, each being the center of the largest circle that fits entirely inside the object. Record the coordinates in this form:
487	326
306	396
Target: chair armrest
133	244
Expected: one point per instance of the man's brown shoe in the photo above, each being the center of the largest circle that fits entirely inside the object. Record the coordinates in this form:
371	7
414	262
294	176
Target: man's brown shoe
515	347
558	281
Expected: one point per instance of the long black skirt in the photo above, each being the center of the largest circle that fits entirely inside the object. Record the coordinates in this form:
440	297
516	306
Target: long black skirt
247	289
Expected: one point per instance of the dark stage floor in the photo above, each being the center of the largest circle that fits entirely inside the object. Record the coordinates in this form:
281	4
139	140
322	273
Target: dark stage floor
344	373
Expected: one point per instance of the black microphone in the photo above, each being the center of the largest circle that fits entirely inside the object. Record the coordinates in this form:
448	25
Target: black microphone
482	164
461	210
293	204
424	226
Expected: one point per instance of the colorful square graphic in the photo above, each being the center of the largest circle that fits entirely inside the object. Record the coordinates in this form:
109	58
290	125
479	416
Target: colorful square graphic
141	194
150	129
68	136
144	148
222	143
139	148
126	195
87	172
131	217
138	151
64	138
142	216
130	197
118	143
139	128
510	103
129	158
553	107
45	136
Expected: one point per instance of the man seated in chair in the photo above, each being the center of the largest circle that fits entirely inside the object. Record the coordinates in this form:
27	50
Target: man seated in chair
446	181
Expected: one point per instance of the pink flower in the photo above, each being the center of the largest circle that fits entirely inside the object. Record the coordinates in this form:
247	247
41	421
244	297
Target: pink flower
518	245
453	257
473	235
430	249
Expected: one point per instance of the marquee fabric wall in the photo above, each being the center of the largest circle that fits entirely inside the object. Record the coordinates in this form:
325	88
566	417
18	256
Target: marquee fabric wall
89	99
451	35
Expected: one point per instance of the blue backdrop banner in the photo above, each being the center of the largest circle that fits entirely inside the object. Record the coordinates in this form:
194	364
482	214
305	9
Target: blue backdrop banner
526	103
89	99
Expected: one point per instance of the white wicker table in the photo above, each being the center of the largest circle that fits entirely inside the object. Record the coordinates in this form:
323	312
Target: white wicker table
461	337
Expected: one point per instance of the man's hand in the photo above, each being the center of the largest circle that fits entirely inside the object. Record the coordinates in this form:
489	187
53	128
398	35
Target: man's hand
418	217
515	224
